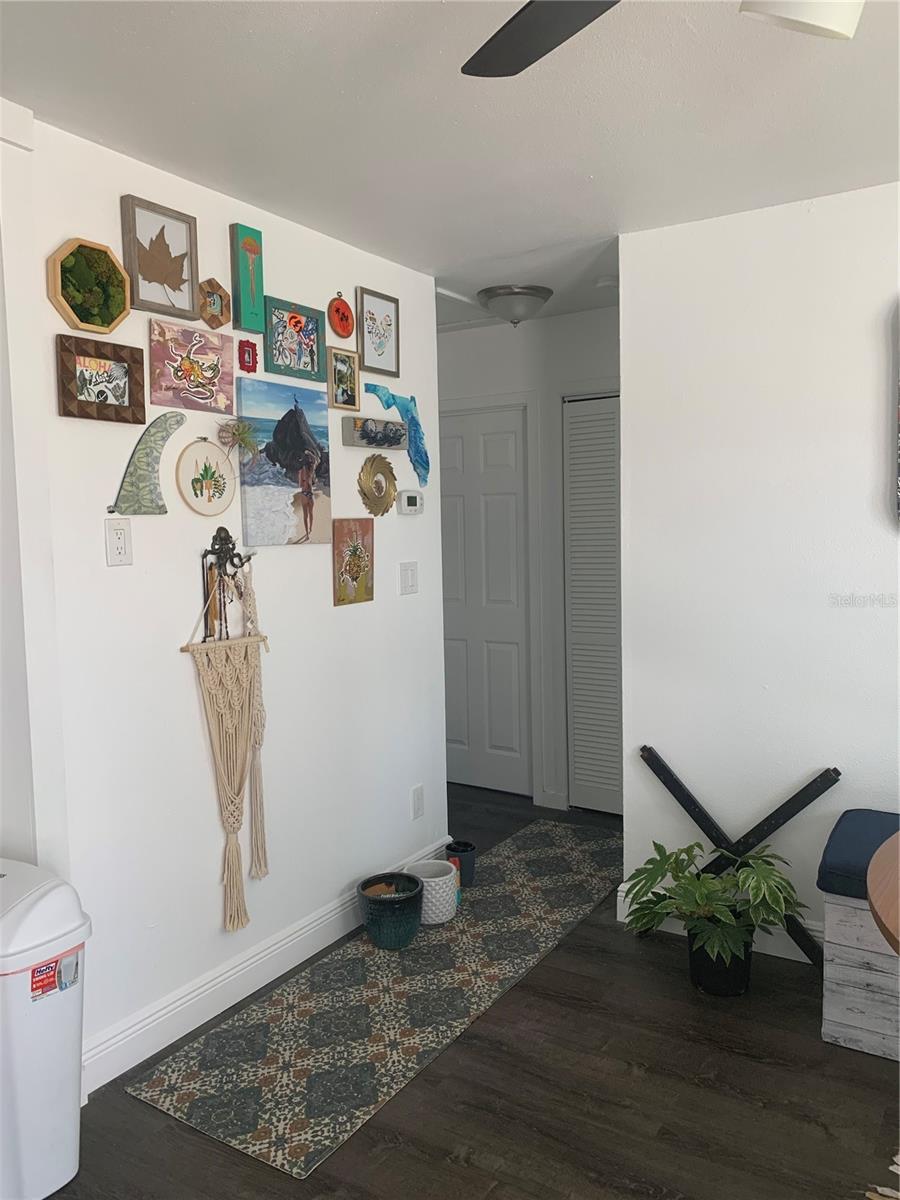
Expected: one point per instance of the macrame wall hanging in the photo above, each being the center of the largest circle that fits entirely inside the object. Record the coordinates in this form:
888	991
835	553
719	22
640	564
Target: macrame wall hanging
230	678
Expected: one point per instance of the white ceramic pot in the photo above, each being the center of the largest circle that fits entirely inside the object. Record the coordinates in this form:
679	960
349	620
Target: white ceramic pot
438	890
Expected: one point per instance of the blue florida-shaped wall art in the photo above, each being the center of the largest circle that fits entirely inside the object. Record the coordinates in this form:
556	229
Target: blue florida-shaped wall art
406	407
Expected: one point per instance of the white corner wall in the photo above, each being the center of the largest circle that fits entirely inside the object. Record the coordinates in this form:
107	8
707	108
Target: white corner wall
355	697
536	365
759	405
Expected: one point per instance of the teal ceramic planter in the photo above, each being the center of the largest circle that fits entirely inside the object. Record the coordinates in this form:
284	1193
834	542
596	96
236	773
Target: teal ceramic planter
391	921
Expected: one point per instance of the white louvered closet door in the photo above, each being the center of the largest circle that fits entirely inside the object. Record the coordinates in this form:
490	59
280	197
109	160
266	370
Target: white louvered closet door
593	600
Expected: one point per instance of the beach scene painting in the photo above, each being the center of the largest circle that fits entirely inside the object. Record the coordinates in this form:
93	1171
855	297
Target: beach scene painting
286	482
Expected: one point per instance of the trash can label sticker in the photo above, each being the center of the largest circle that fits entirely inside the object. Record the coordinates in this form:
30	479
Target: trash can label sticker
55	975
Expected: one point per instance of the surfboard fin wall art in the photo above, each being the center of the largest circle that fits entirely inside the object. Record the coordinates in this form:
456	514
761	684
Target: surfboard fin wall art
139	492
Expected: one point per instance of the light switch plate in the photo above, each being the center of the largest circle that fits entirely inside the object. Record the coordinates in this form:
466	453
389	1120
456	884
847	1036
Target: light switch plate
409	578
417	801
118	542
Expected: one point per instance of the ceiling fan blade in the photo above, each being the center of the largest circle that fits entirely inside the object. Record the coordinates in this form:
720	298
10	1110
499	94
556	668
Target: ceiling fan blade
532	32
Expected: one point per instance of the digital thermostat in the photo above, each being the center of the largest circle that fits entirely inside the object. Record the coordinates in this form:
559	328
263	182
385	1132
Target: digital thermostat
409	504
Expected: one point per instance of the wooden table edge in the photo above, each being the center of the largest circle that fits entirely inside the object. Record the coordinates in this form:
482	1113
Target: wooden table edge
883	876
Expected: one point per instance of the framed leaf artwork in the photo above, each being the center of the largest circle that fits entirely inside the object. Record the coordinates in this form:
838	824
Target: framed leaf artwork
160	251
247	279
295	340
99	380
378	321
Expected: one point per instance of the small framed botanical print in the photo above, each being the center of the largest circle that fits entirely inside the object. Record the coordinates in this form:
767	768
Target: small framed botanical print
294	340
378	321
160	251
99	380
343	379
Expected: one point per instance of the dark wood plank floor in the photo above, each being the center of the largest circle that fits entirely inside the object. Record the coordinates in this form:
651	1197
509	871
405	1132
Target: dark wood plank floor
600	1076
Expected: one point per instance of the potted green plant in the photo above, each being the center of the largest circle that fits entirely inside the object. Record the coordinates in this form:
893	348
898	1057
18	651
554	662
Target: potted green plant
721	912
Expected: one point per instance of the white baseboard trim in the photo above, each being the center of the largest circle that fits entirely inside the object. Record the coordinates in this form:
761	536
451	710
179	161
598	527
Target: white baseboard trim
778	944
149	1030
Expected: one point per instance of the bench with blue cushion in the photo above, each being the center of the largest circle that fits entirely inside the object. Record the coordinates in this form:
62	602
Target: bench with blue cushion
849	849
860	992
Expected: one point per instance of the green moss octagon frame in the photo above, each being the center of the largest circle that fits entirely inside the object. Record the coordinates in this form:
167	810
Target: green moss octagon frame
85	279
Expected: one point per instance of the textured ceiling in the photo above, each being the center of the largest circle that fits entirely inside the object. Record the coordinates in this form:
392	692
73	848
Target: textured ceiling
353	118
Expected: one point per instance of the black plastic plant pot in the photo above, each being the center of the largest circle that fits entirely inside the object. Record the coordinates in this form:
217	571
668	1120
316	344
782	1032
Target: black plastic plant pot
713	976
464	853
391	917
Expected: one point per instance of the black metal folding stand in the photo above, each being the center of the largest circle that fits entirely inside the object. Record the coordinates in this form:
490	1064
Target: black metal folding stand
754	837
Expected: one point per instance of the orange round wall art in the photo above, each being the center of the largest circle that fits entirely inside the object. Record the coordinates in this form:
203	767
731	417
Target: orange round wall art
340	316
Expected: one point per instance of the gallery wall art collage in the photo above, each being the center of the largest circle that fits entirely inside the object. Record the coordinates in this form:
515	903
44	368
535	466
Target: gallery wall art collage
271	442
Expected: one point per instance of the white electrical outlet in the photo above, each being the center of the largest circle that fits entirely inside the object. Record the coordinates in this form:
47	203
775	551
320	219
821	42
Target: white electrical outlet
118	542
417	796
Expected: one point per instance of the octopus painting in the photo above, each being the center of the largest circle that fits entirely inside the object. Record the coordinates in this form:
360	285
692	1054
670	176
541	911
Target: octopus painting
191	369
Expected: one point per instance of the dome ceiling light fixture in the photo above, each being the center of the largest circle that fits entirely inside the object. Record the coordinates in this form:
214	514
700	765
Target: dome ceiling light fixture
825	18
513	302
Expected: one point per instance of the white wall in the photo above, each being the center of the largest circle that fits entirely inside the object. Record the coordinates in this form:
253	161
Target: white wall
759	381
16	796
355	696
537	364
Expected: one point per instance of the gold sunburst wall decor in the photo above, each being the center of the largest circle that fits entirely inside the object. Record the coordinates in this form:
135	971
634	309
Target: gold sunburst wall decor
377	485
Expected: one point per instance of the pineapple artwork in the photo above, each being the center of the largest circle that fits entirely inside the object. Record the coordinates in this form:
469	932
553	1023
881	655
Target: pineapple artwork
205	477
248	309
353	557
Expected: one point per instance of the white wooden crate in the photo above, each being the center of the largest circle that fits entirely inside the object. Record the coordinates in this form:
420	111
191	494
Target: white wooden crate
861	995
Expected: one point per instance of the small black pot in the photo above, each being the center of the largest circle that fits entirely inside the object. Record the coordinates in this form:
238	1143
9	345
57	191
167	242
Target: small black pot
712	976
464	853
392	921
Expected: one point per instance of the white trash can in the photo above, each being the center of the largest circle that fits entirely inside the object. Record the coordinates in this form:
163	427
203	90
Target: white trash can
42	935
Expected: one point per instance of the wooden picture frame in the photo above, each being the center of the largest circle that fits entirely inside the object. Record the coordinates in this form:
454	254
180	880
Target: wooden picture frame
88	388
284	348
378	345
338	389
214	303
164	259
56	288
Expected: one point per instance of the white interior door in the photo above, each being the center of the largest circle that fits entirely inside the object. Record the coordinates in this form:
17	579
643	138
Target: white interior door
483	506
593	602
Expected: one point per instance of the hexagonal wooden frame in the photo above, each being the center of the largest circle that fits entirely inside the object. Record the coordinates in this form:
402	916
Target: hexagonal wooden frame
213	320
54	289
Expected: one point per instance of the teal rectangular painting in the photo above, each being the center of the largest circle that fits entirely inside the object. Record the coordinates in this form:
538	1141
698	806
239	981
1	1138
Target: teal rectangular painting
247	291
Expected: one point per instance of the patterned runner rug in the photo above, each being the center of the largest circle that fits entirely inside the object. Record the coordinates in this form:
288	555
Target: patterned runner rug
291	1076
